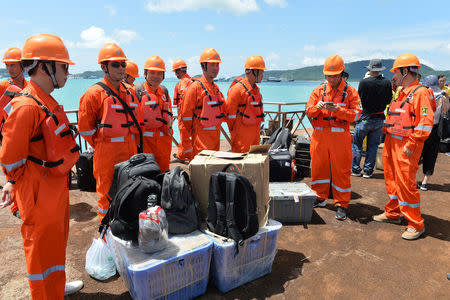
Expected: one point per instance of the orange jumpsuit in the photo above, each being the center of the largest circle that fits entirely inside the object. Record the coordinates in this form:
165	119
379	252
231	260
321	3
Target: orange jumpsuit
331	146
107	152
242	136
42	198
400	170
202	137
3	86
156	141
185	150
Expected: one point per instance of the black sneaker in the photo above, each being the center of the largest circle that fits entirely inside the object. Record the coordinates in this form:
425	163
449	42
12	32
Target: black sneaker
318	203
341	213
16	214
423	187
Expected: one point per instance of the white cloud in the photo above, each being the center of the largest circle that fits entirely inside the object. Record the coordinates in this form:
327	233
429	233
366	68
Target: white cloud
111	10
95	37
236	7
280	3
309	47
209	27
312	61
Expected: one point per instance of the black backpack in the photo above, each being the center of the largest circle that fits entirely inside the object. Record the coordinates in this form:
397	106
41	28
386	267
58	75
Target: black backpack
133	181
135	196
232	208
85	172
142	164
280	139
178	202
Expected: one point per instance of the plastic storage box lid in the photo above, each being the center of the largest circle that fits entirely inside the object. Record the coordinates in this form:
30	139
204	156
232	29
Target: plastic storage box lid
289	189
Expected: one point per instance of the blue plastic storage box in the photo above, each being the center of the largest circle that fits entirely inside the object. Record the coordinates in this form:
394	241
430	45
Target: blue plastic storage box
254	260
180	271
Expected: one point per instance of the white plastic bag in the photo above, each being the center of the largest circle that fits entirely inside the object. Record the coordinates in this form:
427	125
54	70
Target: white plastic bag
100	260
153	230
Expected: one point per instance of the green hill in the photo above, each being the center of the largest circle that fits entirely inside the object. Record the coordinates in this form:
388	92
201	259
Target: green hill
355	69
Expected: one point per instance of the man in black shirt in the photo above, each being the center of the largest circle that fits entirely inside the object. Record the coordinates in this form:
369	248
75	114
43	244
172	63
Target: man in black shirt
375	93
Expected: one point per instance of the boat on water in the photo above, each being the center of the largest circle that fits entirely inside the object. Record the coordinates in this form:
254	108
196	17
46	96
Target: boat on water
273	79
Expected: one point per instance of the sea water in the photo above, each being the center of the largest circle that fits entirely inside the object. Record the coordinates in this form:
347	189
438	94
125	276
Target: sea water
284	92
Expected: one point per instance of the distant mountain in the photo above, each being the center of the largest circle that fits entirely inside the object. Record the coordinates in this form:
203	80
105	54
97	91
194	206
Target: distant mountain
89	74
356	70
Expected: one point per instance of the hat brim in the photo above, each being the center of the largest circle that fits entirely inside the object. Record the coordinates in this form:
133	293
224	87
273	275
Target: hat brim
375	69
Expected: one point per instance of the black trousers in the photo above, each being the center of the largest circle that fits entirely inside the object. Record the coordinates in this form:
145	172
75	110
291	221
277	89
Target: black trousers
430	151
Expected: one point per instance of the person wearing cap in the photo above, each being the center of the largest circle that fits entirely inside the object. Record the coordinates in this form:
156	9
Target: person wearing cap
11	58
345	76
185	149
408	124
431	146
106	123
331	107
132	72
203	108
40	187
375	93
244	106
156	111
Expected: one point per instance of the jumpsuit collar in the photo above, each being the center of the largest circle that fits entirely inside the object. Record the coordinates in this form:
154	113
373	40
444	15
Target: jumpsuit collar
34	89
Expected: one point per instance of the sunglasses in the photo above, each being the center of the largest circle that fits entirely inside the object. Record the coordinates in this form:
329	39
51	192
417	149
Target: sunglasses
65	67
116	64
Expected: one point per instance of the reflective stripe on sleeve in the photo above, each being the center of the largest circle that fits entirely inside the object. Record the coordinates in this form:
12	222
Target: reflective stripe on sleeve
8	108
42	276
357	115
412	205
393	197
320	181
342	104
341	189
88	132
424	128
14	165
188	150
397	137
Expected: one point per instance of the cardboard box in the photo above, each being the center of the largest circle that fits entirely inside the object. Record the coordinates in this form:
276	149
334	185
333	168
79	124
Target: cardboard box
253	165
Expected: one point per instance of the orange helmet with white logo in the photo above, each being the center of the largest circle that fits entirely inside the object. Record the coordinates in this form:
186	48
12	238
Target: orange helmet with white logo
333	65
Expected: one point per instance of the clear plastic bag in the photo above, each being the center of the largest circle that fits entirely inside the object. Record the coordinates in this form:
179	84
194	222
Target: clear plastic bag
153	230
100	260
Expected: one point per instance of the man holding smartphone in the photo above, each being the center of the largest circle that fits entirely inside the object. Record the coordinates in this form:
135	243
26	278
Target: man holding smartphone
331	108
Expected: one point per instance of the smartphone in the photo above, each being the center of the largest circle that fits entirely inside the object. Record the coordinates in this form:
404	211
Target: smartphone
329	103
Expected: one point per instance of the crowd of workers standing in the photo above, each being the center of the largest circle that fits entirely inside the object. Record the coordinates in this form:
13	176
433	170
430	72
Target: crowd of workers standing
119	119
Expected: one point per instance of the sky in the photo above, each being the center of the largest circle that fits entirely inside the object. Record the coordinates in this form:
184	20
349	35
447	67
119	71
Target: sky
288	34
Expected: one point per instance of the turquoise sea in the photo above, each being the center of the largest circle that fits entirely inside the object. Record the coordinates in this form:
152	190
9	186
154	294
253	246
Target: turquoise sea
287	92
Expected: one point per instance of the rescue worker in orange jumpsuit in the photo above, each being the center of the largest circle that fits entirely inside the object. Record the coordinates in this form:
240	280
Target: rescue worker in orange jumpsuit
408	123
331	107
28	159
132	72
203	108
105	123
185	150
11	58
245	108
156	112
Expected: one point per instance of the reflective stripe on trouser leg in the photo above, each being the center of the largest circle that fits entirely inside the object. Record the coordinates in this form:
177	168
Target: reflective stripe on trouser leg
341	165
185	146
320	165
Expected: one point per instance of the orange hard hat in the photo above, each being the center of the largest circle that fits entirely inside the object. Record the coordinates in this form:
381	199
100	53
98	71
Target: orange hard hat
255	62
210	55
132	69
46	47
155	63
406	60
333	65
12	55
111	52
178	64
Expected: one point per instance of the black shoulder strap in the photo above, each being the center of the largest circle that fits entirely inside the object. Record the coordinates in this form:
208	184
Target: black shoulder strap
128	110
250	94
10	81
410	96
203	86
324	90
233	231
344	93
